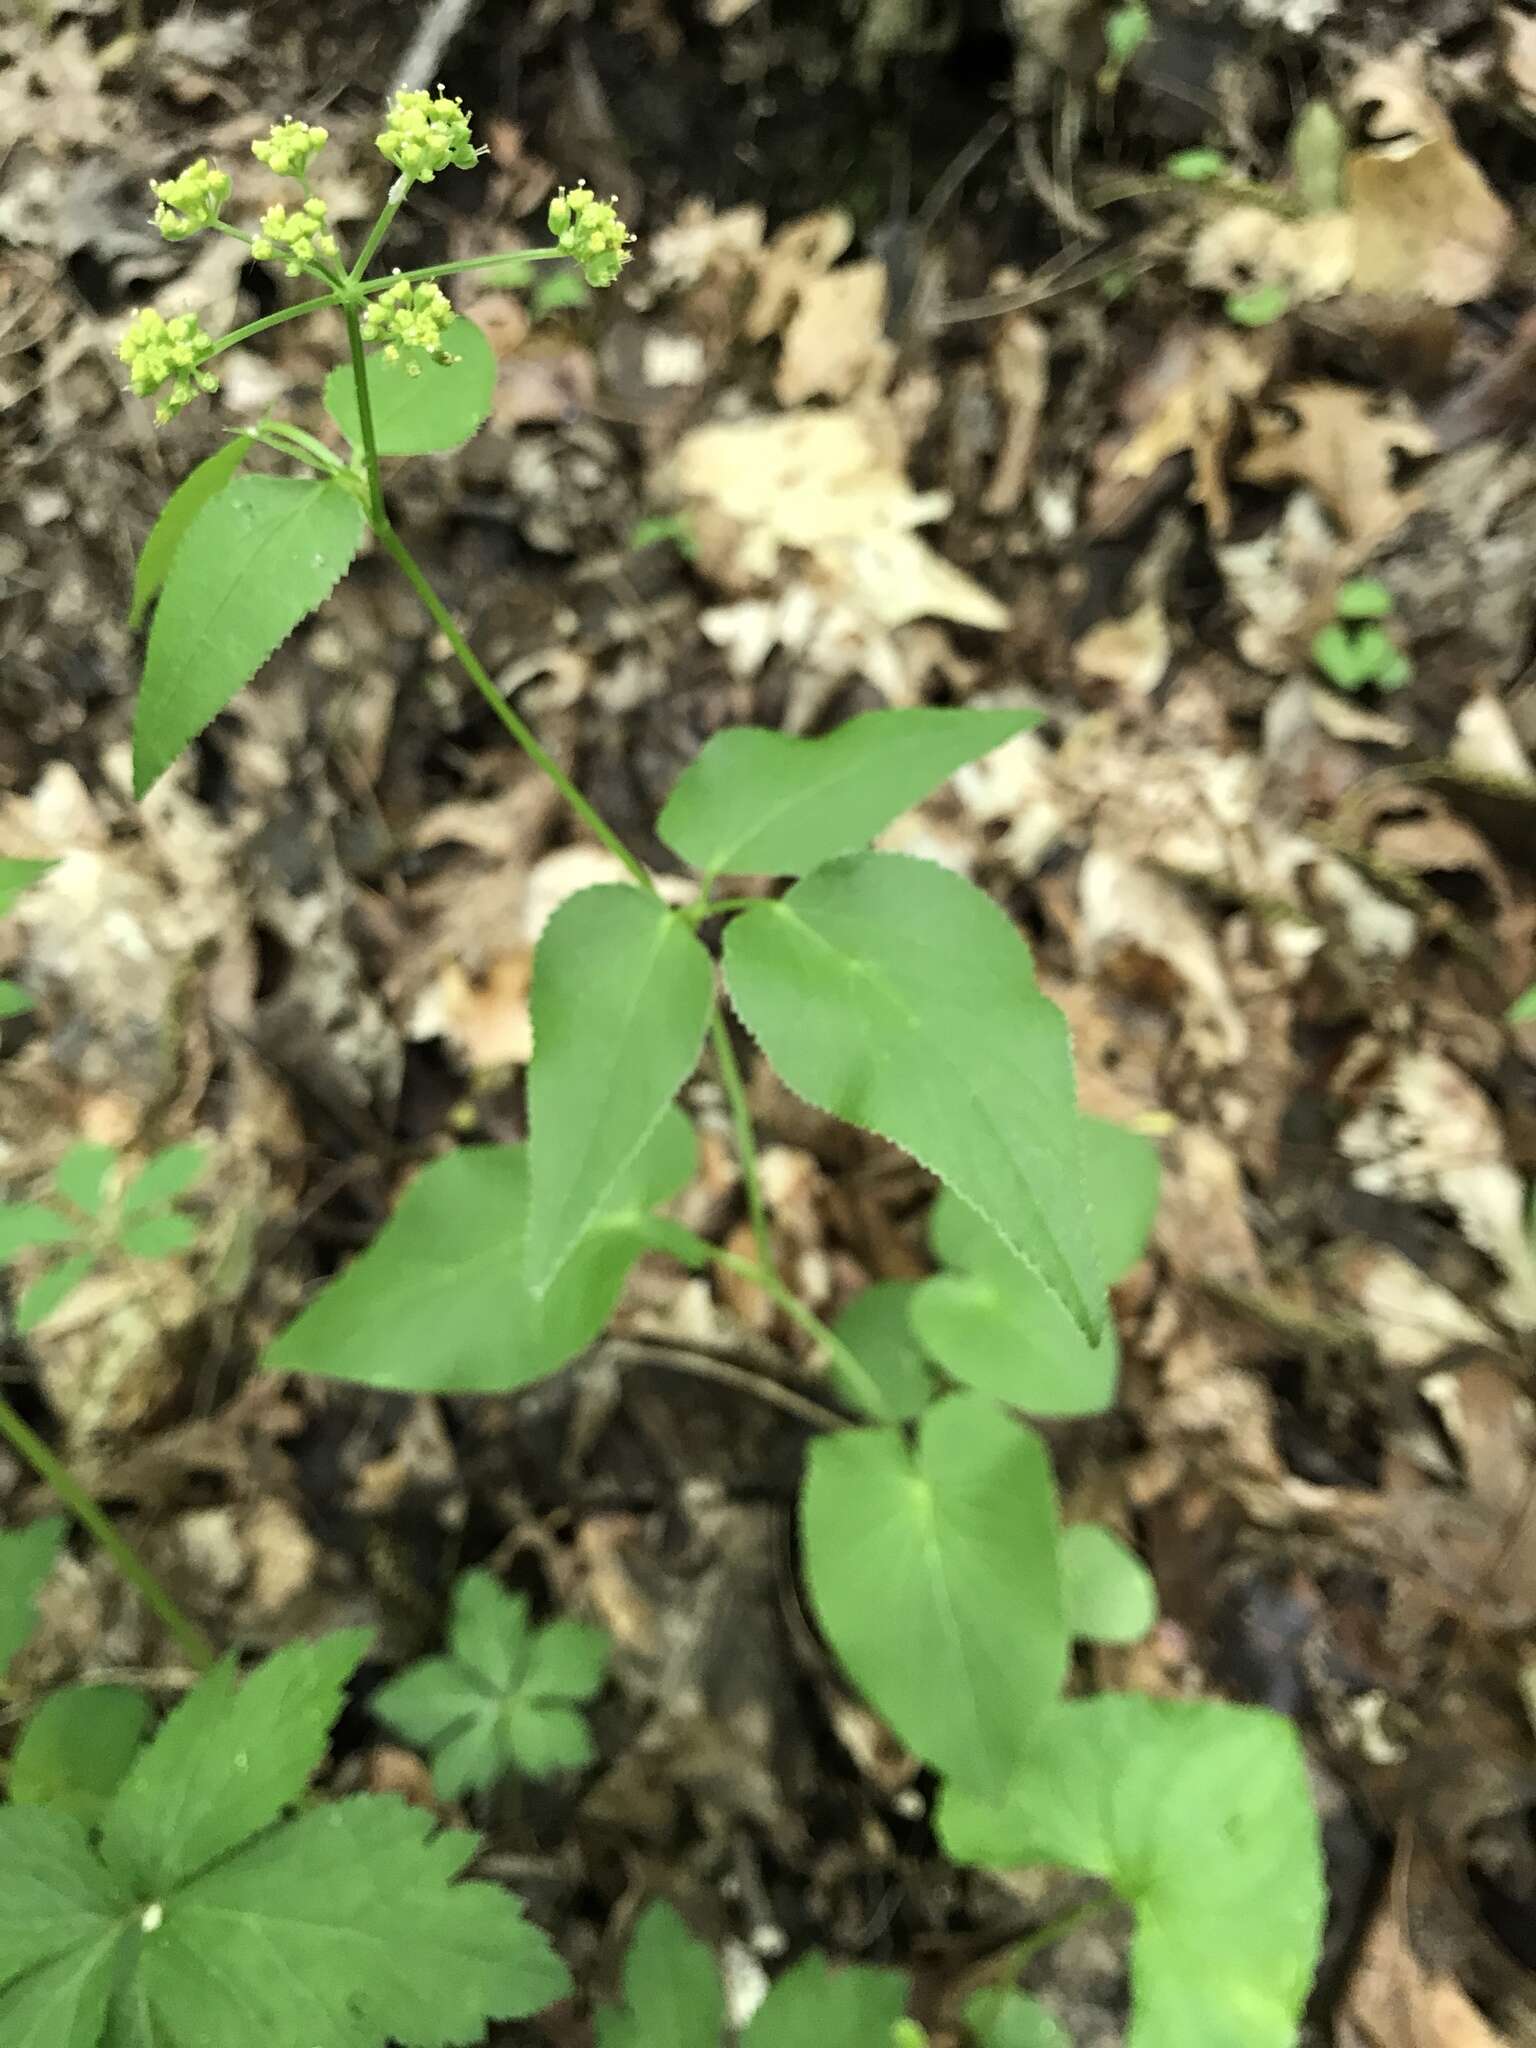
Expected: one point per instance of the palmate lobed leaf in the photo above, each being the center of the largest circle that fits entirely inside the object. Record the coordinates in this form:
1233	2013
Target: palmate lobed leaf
255	560
672	1990
934	1575
855	2006
76	1749
440	1301
759	802
889	992
620	1004
439	406
1199	1814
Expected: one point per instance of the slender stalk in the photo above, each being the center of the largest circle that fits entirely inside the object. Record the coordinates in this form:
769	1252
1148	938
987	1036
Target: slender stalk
1024	1952
199	1651
378	517
297	445
457	268
252	327
380	228
720	906
523	734
746	1145
855	1377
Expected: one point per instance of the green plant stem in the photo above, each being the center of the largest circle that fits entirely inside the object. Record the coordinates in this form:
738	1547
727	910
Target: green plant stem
472	667
457	268
377	515
297	445
253	327
764	1277
380	228
746	1145
1024	1952
199	1651
721	906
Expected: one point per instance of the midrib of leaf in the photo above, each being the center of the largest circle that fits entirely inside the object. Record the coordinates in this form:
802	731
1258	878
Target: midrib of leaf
213	618
854	967
949	1616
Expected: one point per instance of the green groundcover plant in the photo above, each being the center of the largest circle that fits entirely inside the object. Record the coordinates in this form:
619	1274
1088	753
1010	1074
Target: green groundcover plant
183	1887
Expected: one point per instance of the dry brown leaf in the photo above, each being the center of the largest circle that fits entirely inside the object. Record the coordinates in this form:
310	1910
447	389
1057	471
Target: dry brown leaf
1428	223
1394	2002
1243	246
1341	442
1021	355
1517	36
1187	401
1129	654
795	258
835	344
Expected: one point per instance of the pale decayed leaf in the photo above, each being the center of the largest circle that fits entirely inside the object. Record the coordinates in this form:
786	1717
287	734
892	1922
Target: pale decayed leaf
890	993
934	1575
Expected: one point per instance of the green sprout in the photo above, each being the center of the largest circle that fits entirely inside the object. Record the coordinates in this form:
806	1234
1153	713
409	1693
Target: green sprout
1355	650
1125	30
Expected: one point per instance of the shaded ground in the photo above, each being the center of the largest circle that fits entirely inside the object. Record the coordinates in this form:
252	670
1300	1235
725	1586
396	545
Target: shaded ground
1284	921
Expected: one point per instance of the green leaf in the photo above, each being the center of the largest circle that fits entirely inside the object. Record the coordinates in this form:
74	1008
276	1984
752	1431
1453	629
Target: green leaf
934	1576
161	1179
1337	653
156	1237
1200	1816
1261	307
18	875
254	562
61	1920
81	1175
1198	166
227	1761
891	993
14	1001
76	1749
1108	1591
176	515
26	1558
440	1303
1007	2019
343	1928
855	2007
672	1995
50	1290
620	1004
1521	1011
420	406
502	1698
876	1326
769	803
1317	149
993	1324
26	1224
1363	597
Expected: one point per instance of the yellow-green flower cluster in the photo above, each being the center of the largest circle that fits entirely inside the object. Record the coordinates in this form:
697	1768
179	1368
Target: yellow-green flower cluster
409	316
298	238
423	135
589	231
290	147
191	201
158	351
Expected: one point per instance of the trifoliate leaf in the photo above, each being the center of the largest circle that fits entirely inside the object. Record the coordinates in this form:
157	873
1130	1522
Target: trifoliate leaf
620	1004
1200	1816
889	992
17	875
420	406
76	1748
62	1918
876	1326
855	2007
255	561
440	1303
156	1237
176	515
26	1559
342	1928
771	803
672	1993
1108	1592
50	1290
933	1572
161	1179
503	1699
227	1761
81	1175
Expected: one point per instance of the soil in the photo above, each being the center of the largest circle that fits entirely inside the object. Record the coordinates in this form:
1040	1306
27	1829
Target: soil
1286	922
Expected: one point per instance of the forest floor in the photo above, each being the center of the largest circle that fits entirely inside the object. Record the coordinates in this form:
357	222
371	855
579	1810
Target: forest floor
1114	434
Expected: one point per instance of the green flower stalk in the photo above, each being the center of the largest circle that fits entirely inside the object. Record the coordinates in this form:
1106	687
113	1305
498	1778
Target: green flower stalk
290	147
589	231
159	351
409	316
190	202
423	135
298	238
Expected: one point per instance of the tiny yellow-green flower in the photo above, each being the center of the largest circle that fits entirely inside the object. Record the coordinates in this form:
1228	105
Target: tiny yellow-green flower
189	201
159	351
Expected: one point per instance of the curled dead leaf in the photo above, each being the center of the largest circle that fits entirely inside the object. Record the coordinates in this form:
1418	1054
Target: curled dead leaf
1187	401
1344	444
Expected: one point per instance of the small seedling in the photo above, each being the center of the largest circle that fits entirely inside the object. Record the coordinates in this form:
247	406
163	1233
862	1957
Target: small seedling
96	1215
1126	29
660	529
1356	651
1198	166
505	1698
